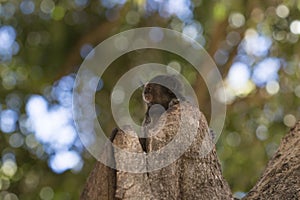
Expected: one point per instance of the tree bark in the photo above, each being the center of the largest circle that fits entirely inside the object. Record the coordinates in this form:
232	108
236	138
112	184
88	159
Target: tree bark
281	178
101	183
196	174
192	176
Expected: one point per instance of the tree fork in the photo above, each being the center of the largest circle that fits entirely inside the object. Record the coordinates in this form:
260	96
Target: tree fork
280	180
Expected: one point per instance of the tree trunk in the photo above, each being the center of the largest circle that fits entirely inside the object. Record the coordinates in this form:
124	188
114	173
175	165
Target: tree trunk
281	178
196	174
101	183
193	174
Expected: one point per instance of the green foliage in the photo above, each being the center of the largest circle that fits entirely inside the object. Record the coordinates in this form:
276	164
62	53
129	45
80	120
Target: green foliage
51	37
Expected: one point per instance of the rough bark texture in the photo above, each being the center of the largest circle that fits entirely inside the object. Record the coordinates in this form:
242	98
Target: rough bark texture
195	174
101	183
192	176
133	186
281	178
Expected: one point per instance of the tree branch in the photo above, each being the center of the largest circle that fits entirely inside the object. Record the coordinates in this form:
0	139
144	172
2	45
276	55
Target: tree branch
196	174
281	178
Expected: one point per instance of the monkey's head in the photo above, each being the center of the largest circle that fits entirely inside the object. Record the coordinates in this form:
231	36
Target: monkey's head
162	89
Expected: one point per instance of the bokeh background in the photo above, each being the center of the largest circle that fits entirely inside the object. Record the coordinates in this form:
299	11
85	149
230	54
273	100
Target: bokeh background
254	43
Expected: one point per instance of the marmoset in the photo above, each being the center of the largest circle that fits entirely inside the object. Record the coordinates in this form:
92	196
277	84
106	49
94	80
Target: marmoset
159	94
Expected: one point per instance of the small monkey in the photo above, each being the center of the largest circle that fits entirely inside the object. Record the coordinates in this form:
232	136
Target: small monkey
159	93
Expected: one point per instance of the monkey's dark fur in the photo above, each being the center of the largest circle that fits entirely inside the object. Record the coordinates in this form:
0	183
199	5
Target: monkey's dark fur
158	95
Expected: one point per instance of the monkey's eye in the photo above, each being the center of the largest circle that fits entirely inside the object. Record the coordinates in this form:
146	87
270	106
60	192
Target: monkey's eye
147	89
